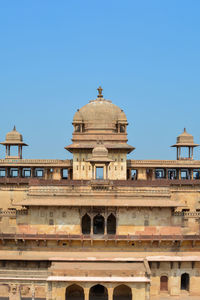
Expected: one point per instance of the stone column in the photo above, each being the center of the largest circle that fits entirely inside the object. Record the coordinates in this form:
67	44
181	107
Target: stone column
110	293
86	293
33	291
92	225
32	172
48	290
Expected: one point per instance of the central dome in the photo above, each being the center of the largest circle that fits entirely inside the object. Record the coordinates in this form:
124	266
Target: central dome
100	114
101	111
100	121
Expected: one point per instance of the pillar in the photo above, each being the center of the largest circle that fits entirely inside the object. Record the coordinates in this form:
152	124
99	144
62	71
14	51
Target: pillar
92	224
105	229
33	291
19	152
86	293
48	290
32	172
110	294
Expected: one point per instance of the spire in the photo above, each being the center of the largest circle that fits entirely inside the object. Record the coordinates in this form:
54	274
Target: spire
14	128
184	130
100	92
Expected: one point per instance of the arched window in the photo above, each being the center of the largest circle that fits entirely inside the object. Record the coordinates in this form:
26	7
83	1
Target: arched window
98	292
164	283
185	282
74	292
122	292
99	224
111	224
86	224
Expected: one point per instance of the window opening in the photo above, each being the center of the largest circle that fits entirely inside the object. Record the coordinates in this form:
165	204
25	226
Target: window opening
98	292
65	173
99	172
185	281
111	224
164	283
2	173
99	224
86	224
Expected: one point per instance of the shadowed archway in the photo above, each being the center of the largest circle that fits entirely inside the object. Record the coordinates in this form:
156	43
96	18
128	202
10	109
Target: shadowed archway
122	292
86	224
98	292
74	292
164	283
99	224
185	282
111	224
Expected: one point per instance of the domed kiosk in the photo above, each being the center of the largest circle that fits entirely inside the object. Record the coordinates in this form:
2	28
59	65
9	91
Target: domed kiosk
14	138
99	122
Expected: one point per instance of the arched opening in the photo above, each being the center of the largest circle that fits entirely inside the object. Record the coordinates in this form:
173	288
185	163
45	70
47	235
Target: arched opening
99	224
74	292
86	224
185	282
122	292
111	224
98	292
164	283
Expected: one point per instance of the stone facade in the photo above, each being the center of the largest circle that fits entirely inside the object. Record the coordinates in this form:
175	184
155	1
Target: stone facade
99	226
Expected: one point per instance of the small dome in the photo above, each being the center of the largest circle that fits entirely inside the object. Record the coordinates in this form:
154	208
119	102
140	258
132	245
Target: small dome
14	136
185	139
100	151
100	154
77	116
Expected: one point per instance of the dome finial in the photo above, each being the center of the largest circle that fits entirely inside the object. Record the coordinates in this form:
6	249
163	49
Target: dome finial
184	129
100	92
14	128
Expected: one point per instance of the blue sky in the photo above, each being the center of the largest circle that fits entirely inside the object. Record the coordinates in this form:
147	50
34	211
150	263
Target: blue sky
145	54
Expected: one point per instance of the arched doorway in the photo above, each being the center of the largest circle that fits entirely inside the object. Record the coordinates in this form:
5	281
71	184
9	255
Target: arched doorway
122	292
111	224
185	282
86	224
99	224
74	292
98	292
164	284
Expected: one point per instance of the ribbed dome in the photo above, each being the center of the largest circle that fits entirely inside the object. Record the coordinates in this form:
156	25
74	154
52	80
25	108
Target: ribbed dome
14	136
185	139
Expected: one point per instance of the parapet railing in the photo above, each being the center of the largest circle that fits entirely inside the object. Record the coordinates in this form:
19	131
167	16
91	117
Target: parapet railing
108	237
187	213
13	213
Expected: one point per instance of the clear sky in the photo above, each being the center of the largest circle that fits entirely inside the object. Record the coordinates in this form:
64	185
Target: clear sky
145	54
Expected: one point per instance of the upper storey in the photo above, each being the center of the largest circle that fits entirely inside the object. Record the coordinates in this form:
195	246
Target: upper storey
100	120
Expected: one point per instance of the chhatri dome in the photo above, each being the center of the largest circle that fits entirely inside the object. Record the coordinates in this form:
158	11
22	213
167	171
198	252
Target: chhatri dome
14	138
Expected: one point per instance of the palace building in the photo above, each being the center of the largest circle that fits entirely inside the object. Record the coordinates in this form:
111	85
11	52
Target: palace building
99	226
